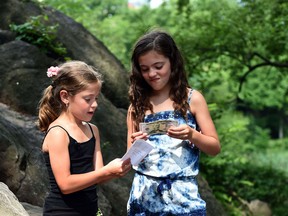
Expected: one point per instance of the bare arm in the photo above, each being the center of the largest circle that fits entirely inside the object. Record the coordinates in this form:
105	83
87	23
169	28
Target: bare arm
98	159
132	135
130	127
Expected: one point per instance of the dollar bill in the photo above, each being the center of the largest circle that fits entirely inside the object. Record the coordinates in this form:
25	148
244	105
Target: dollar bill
157	127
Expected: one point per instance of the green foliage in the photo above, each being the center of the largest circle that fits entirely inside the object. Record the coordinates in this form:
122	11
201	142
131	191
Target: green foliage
262	80
105	19
275	155
248	183
239	137
250	166
37	32
279	144
99	212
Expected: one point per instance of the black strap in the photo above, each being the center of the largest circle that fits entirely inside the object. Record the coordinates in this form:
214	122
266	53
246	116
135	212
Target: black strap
67	131
91	129
58	126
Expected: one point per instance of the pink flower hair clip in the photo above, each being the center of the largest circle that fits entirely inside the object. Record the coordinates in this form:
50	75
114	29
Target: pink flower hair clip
52	71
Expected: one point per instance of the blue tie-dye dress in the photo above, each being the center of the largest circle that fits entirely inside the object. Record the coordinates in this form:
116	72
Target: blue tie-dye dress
165	181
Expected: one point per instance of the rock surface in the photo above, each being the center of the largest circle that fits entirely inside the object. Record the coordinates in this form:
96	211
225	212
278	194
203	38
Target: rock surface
9	204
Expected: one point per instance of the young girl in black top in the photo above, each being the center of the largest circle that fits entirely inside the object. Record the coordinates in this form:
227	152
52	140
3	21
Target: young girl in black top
72	145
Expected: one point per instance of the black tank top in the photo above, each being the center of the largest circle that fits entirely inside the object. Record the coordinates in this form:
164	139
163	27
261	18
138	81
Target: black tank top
81	161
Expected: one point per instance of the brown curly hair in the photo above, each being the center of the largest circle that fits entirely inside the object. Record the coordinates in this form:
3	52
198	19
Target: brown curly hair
139	91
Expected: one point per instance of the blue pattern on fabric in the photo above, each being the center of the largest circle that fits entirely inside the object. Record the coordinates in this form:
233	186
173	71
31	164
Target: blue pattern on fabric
165	181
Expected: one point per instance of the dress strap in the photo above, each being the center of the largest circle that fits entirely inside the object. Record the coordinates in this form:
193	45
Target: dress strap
67	131
54	127
60	127
190	95
91	129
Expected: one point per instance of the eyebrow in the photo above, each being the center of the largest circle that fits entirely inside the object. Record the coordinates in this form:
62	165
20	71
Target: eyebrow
159	62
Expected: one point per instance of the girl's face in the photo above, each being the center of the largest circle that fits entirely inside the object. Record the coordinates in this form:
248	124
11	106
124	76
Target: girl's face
156	70
84	103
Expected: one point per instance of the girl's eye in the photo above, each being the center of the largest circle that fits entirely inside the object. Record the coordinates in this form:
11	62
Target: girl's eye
144	69
87	99
159	66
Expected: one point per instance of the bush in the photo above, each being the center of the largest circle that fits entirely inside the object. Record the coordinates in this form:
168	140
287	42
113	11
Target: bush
237	175
37	32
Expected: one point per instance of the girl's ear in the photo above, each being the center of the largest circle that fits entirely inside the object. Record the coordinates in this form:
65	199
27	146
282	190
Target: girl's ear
64	96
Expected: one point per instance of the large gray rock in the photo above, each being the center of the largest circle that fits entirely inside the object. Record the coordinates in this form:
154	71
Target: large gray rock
259	208
32	210
80	44
22	76
9	204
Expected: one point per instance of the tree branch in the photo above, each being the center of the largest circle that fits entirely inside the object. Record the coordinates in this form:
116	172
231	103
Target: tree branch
266	62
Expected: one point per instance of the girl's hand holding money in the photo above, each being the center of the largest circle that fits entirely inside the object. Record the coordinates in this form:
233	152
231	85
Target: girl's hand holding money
183	132
138	135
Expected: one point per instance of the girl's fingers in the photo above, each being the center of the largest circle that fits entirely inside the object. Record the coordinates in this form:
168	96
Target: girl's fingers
138	135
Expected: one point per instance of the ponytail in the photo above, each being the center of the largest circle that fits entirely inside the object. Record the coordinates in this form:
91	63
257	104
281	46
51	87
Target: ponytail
49	109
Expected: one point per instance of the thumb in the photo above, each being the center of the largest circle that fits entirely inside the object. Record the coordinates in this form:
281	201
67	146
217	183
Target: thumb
127	162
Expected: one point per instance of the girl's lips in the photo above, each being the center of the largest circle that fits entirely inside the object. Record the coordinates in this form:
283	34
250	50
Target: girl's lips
154	80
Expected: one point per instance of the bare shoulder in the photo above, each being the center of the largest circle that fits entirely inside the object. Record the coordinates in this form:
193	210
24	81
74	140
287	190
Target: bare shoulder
197	98
130	108
129	112
56	132
94	128
56	138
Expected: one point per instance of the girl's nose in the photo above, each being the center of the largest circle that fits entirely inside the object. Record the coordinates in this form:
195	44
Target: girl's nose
152	73
94	104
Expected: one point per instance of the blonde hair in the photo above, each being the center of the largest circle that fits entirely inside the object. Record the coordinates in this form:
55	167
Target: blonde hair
73	76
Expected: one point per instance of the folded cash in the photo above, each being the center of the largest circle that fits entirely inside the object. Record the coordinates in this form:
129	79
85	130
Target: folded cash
157	127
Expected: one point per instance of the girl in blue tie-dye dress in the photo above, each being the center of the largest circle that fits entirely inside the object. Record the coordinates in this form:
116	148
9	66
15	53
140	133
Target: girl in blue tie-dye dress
165	181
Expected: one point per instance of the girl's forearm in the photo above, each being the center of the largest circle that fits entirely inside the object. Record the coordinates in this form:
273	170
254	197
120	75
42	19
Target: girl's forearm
207	144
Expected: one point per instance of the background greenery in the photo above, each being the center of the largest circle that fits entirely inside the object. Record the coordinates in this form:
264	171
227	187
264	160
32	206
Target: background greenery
236	54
